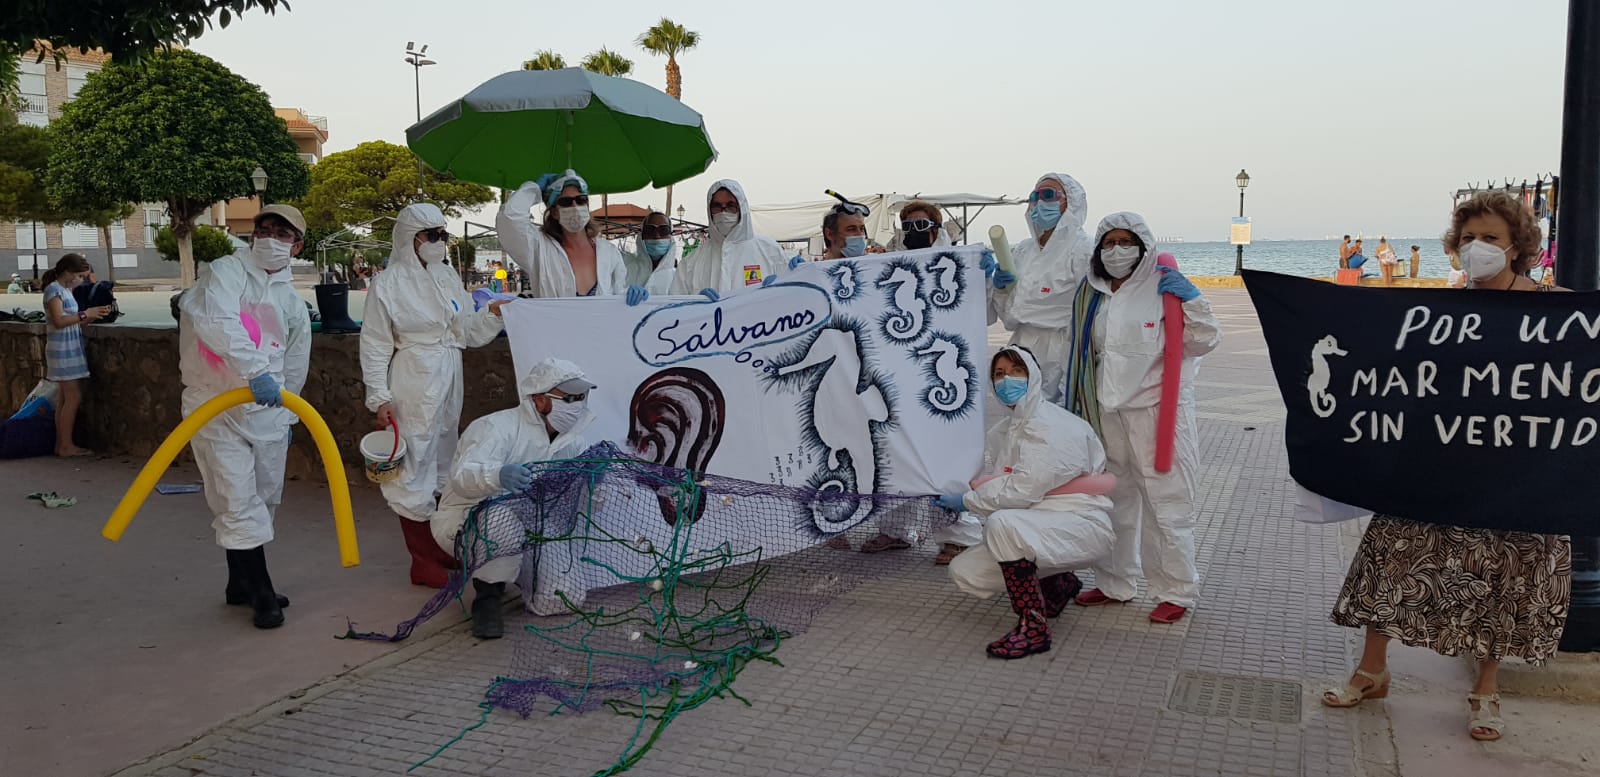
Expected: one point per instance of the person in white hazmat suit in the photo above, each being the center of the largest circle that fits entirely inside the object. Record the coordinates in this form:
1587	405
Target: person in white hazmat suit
655	264
1036	304
1116	385
564	255
1032	539
732	257
547	425
418	320
243	325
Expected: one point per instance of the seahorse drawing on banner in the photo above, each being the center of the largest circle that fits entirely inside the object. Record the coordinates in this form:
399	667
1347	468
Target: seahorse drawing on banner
907	315
949	281
676	419
946	362
1322	403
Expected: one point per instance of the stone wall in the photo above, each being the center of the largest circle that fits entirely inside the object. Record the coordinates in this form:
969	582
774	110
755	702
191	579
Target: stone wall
133	398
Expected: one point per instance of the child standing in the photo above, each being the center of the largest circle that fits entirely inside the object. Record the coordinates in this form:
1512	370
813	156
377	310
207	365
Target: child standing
65	364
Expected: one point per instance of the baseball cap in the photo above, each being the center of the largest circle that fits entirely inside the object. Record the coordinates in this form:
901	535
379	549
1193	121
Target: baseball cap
575	386
288	213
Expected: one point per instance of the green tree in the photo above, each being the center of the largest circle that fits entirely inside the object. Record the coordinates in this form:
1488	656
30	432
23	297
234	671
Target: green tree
608	63
545	59
208	242
669	39
180	129
377	179
126	29
24	158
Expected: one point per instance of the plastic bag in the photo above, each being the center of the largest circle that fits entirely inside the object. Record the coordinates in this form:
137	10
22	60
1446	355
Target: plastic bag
41	402
1311	507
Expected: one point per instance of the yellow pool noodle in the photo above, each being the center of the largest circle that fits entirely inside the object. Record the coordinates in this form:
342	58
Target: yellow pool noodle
1001	248
343	521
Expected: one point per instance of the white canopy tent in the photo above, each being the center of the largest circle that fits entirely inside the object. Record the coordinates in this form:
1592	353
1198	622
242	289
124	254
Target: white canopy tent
801	222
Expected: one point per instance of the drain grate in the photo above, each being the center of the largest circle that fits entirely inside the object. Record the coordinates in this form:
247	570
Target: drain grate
1236	696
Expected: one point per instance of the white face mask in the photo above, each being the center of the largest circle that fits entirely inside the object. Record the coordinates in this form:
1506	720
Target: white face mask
270	254
433	252
723	223
564	415
1120	260
574	218
1482	260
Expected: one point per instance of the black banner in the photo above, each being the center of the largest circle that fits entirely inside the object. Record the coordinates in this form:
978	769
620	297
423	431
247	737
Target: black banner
1463	407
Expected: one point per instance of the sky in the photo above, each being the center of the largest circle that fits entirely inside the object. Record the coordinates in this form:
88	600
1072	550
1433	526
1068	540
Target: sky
1350	116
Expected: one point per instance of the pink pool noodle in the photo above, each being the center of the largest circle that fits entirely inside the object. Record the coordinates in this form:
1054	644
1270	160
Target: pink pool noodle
1171	372
1093	485
252	327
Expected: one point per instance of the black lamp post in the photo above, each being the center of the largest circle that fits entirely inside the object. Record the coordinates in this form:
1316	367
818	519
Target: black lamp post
1243	180
417	62
258	179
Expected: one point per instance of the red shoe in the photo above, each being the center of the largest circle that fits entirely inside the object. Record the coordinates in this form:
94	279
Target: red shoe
1094	597
1167	612
430	565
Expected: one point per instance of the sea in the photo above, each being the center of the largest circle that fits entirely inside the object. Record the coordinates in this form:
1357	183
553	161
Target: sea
1309	258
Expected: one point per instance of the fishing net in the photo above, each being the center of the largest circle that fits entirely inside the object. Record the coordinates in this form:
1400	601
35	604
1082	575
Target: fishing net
663	584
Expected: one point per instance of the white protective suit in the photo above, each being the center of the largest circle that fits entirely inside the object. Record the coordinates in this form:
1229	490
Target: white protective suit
548	269
1034	448
241	453
514	436
656	280
418	320
1037	309
740	261
1154	513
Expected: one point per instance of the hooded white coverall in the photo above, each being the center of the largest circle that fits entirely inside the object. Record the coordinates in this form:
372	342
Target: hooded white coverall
241	452
1154	513
418	320
542	257
1038	307
733	262
658	279
514	436
1034	448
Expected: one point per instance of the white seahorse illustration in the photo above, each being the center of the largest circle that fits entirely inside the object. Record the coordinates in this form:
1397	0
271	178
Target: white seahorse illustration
908	323
842	417
953	394
846	274
1322	403
944	271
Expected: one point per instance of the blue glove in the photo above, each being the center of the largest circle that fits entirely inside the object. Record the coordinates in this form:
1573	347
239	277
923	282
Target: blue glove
636	295
796	261
515	478
988	264
1172	282
266	390
955	503
1003	279
768	281
545	181
710	294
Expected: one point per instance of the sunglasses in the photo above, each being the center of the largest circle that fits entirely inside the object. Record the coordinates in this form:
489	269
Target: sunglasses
569	397
435	235
714	209
1048	195
567	202
657	230
918	225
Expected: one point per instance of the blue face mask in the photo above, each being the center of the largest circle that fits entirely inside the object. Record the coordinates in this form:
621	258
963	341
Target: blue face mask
657	248
1045	215
1011	390
854	246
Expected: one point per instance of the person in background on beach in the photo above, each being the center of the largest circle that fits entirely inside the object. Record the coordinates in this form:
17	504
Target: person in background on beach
1344	253
16	285
1356	258
732	257
65	363
1482	592
1036	303
1387	260
1416	259
1114	383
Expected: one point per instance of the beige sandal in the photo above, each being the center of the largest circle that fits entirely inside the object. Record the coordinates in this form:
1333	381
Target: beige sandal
1350	696
1493	724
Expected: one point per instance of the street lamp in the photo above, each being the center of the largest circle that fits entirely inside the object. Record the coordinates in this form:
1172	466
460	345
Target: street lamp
680	215
1242	180
258	179
417	62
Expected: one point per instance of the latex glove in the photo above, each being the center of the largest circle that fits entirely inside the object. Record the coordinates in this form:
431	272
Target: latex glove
796	262
1003	279
515	478
955	503
1172	282
547	179
988	264
266	390
636	295
710	294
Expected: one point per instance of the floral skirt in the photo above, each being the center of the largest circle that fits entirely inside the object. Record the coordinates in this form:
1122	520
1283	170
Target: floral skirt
1479	592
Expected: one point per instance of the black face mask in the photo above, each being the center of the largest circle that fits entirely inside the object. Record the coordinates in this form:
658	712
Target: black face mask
915	240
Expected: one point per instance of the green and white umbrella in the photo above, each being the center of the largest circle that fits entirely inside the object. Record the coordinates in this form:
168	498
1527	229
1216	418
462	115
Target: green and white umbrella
619	134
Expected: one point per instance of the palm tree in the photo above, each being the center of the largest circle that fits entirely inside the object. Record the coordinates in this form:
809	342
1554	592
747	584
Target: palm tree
608	63
545	60
669	39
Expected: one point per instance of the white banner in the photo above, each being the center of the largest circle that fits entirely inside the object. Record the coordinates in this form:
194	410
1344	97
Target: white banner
856	375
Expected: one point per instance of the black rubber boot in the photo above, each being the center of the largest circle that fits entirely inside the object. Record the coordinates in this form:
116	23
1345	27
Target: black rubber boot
253	574
236	593
333	302
487	622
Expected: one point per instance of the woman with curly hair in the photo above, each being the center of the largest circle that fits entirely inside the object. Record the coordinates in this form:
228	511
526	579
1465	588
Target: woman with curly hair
1453	590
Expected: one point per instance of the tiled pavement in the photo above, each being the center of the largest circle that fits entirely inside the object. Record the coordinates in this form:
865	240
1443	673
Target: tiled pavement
892	680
